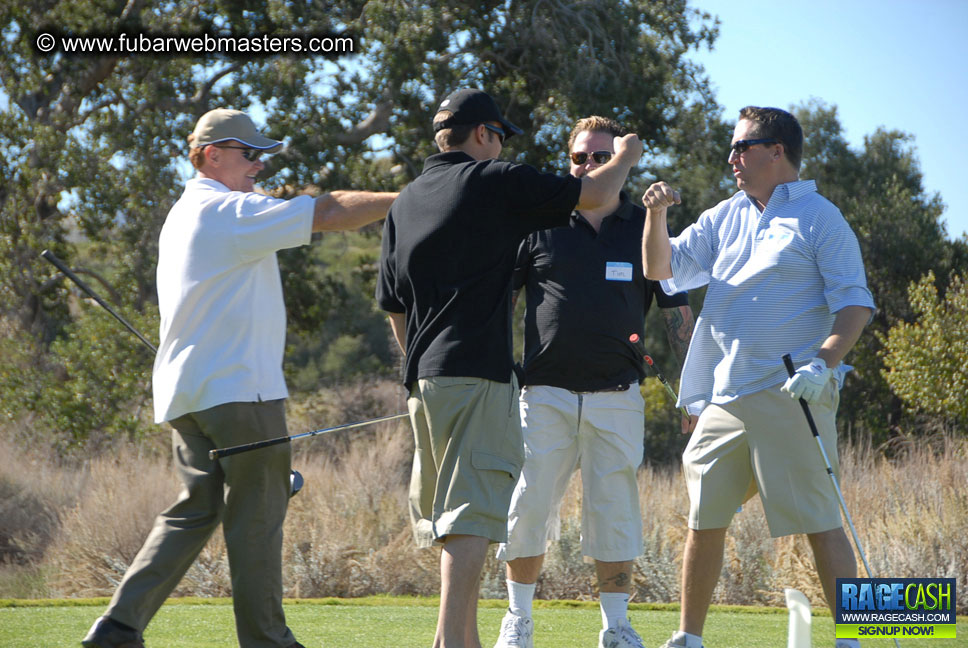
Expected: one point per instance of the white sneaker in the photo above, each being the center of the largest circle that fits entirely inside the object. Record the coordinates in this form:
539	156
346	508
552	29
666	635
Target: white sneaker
516	632
672	644
621	636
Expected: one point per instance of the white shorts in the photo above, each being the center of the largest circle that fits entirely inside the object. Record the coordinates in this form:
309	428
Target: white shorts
601	432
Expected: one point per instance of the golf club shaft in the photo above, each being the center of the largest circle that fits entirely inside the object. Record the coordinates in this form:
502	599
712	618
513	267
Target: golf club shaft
665	383
637	342
60	265
218	453
791	371
788	362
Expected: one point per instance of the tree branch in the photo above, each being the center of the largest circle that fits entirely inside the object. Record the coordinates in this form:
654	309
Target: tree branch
378	121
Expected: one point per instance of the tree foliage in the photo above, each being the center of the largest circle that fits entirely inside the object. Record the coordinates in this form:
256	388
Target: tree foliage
926	360
93	150
879	190
93	154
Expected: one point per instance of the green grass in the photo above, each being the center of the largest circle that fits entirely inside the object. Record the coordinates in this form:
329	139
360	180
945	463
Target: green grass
384	622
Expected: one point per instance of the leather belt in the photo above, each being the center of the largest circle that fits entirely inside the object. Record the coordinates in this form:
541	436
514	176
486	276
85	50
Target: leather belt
616	388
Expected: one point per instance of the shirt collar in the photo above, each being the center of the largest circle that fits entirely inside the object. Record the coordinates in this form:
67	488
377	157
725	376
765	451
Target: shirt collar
205	183
449	157
623	211
790	191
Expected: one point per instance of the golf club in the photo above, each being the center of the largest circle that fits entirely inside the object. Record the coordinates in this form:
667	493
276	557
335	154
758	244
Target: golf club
60	265
791	370
635	340
246	447
295	478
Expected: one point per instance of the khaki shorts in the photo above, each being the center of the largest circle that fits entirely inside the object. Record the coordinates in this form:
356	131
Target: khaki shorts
468	455
603	434
762	443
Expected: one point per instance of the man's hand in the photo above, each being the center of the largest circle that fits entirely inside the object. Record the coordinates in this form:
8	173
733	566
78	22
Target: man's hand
628	143
808	382
689	423
660	196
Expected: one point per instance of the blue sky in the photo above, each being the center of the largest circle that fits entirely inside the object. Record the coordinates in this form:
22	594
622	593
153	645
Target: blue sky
898	64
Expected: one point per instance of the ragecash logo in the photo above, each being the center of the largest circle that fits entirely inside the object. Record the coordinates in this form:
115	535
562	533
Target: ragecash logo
896	607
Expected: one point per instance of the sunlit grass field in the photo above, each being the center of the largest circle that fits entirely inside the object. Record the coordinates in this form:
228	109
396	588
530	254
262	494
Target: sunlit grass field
405	622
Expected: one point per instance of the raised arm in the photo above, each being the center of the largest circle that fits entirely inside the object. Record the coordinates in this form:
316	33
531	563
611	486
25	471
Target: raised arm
604	183
349	210
656	250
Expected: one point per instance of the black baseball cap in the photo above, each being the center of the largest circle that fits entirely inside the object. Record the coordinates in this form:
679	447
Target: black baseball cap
471	106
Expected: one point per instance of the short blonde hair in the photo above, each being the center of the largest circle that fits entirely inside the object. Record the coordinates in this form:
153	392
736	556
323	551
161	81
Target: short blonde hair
448	138
596	124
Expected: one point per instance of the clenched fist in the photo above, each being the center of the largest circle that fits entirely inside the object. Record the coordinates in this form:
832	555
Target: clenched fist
631	143
660	196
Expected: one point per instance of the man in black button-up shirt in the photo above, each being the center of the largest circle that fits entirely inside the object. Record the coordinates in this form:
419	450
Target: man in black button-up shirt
581	405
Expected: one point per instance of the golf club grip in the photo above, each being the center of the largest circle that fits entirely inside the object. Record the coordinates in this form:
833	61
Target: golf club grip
791	370
218	453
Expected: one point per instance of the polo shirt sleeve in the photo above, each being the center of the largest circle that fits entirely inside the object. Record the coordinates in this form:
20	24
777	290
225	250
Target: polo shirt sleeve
693	256
386	293
263	224
840	264
540	200
664	300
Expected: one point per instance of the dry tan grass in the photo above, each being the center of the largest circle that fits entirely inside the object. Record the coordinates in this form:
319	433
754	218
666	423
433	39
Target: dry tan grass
34	494
347	533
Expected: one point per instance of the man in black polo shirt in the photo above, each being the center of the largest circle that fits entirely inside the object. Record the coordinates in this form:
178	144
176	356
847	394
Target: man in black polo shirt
586	294
449	244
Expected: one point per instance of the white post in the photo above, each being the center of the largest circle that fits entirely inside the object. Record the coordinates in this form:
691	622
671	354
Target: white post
799	606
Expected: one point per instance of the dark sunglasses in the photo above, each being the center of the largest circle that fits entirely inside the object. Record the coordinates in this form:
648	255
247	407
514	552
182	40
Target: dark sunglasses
741	146
248	153
600	157
501	135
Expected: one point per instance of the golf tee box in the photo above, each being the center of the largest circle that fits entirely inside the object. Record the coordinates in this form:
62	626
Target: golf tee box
896	608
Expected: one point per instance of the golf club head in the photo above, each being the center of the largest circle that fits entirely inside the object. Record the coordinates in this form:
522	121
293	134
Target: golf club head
295	482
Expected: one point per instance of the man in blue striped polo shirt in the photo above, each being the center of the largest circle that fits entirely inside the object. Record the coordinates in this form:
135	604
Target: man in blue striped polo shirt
784	275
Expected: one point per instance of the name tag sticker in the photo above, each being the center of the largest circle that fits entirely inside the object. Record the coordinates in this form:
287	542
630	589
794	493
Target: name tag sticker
618	271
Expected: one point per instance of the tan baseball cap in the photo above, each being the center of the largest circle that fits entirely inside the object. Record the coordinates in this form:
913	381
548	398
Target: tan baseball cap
222	124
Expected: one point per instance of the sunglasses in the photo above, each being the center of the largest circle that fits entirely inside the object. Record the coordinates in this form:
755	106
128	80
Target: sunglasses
501	135
600	157
741	146
248	153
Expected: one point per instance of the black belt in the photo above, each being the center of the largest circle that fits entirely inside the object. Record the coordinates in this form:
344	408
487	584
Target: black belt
616	388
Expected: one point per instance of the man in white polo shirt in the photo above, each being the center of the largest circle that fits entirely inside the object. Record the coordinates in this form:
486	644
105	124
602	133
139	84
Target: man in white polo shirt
218	379
785	275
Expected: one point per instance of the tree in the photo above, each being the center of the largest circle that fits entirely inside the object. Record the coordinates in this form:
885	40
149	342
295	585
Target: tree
926	361
880	193
92	148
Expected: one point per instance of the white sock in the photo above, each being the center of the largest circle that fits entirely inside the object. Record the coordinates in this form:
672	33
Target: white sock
615	608
686	639
520	596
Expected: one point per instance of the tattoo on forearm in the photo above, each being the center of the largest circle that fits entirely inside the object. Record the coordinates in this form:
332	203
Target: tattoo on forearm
679	325
620	579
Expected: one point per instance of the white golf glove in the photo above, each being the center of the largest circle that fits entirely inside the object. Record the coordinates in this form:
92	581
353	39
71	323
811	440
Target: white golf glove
808	382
